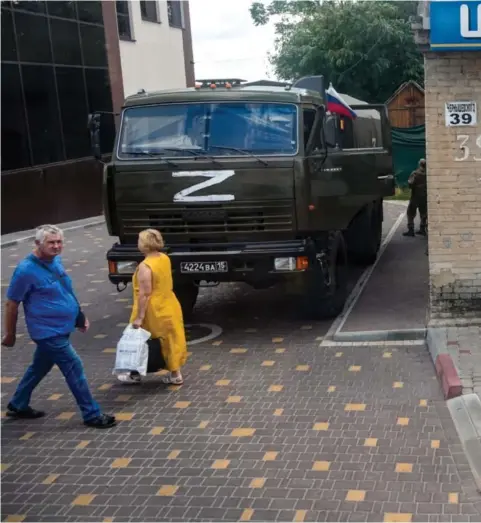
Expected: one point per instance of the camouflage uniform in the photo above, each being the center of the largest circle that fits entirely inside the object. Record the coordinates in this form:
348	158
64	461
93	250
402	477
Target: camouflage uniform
418	200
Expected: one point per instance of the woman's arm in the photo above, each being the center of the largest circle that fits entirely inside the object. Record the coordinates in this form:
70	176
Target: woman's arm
144	277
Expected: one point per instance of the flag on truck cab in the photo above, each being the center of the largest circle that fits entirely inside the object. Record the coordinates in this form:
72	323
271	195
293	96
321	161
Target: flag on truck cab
336	104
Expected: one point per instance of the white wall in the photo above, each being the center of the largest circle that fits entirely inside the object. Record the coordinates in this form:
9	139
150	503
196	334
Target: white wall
155	59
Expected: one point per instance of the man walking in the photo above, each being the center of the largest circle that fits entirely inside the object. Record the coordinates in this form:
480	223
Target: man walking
418	201
52	313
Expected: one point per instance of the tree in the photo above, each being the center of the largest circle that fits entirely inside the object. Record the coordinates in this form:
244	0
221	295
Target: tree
365	48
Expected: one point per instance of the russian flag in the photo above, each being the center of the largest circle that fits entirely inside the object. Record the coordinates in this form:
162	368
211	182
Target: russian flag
336	104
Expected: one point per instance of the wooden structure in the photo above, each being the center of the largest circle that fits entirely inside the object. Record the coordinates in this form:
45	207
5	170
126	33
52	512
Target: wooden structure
406	106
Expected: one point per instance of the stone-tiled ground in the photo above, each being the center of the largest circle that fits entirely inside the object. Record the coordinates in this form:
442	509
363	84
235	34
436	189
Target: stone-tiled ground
268	426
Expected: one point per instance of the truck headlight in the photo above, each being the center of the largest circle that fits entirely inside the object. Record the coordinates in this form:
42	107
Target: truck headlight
126	267
285	264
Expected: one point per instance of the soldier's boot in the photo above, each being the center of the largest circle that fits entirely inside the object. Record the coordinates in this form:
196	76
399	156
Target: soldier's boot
422	231
409	232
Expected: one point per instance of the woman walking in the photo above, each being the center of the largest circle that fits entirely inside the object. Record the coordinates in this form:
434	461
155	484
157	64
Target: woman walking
156	308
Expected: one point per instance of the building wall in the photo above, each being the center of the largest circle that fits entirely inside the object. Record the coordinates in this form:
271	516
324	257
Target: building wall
454	185
154	58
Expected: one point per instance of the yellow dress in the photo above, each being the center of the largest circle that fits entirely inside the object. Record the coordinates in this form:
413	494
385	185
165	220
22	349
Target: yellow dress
163	317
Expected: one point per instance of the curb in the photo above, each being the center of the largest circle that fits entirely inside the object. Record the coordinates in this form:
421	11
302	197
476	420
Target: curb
29	237
389	335
446	371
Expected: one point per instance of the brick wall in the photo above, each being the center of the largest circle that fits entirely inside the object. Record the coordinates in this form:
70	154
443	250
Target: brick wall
454	186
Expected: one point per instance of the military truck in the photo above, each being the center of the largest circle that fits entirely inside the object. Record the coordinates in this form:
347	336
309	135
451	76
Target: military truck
260	185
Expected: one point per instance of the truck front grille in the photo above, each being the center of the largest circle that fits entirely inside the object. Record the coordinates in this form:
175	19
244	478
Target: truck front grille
217	223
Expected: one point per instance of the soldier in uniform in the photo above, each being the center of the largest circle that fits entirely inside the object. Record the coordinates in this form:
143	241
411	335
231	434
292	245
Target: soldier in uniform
418	200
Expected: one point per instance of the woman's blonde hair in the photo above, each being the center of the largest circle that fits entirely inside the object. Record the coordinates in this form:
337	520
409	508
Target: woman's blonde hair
151	240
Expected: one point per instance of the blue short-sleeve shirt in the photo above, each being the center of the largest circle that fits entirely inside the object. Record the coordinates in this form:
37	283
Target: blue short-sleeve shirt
50	309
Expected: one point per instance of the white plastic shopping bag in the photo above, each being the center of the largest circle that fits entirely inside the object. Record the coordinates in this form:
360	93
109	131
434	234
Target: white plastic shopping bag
132	351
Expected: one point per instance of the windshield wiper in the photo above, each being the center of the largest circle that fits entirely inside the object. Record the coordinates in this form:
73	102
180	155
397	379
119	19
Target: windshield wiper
241	151
198	153
158	156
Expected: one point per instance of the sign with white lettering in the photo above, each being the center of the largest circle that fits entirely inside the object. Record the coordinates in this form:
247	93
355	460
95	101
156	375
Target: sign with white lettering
455	25
460	114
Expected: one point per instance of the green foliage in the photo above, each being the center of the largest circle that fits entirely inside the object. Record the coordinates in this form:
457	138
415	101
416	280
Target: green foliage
365	48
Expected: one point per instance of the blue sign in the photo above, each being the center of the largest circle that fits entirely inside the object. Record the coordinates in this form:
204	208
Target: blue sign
455	25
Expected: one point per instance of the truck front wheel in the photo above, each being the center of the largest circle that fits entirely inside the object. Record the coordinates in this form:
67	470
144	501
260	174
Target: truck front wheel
364	236
187	294
326	282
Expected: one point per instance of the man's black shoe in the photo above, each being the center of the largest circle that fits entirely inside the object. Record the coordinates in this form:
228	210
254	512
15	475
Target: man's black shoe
27	413
410	232
422	232
101	422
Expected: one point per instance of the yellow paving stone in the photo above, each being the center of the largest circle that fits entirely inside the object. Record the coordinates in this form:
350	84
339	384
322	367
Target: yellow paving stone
120	463
54	397
162	372
268	363
66	415
280	351
270	456
303	368
156	431
4	379
370	442
398	385
276	388
277	340
423	403
122	324
110	350
338	354
387	354
321	466
403	422
85	305
306	327
175	388
174	454
83	500
220	464
205	367
355	495
435	444
217	343
181	404
203	424
234	399
404	467
4	467
124	416
15	518
300	516
355	407
331	388
83	444
278	412
27	435
238	351
123	397
50	479
324	425
108	520
167	490
257	483
243	433
105	386
453	497
100	336
247	514
122	300
397	517
355	368
223	383
251	330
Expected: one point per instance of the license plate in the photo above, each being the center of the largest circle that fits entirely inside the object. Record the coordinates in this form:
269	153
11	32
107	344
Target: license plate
210	267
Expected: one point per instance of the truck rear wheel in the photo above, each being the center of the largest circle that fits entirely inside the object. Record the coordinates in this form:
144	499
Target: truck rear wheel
326	285
187	294
364	236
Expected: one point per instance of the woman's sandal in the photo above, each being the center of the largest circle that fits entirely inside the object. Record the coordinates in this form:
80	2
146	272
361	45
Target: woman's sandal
169	380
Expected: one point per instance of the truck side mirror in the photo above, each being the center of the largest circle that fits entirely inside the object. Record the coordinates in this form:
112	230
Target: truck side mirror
94	131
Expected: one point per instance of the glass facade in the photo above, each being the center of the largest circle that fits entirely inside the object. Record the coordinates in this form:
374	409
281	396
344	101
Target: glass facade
54	73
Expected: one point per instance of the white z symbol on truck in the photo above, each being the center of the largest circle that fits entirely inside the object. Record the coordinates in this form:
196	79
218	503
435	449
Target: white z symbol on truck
213	178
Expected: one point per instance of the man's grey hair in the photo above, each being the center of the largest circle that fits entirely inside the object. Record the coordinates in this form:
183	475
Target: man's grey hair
45	230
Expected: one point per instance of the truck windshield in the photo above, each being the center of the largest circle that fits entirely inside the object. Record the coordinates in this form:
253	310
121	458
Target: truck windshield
217	129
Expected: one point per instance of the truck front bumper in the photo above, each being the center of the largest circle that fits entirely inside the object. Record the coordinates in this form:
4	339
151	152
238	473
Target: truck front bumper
249	262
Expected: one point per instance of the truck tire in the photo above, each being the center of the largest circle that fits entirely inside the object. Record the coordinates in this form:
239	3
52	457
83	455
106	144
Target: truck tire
187	294
326	300
364	236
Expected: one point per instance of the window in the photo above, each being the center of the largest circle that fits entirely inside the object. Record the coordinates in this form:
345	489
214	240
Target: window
9	47
93	45
15	152
33	38
148	8
174	9
42	113
123	20
73	108
63	9
90	11
309	116
65	42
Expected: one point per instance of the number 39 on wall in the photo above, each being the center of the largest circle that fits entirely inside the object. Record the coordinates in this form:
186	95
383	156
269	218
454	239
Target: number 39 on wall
465	143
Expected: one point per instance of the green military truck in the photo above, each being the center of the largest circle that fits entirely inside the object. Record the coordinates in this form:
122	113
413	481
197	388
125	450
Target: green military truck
260	185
